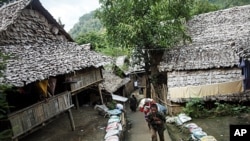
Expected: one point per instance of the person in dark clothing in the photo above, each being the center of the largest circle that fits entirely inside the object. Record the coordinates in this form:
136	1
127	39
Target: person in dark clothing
157	123
133	103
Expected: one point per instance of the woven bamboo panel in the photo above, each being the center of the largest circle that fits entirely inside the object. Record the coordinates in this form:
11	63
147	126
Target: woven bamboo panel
24	120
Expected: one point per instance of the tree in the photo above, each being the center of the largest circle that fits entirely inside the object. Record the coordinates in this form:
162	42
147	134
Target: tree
203	6
148	26
223	4
1	1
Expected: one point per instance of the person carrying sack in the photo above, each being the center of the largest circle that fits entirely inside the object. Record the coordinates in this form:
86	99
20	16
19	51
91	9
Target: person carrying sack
157	123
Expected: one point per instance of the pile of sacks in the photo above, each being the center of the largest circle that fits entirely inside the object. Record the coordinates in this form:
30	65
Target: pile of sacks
114	127
197	134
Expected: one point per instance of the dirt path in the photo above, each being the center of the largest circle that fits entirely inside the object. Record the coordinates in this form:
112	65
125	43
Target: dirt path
140	130
90	126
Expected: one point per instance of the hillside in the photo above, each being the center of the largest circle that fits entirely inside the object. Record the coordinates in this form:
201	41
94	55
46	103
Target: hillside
88	23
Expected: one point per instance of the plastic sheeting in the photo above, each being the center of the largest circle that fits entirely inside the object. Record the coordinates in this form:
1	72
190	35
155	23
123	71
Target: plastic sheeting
206	90
119	98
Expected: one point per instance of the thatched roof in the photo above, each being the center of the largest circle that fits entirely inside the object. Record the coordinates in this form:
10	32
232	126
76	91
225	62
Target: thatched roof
38	46
12	13
39	61
121	61
113	82
215	36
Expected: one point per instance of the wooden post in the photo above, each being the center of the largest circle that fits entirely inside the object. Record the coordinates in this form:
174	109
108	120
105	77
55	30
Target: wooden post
100	92
152	91
72	123
164	93
77	102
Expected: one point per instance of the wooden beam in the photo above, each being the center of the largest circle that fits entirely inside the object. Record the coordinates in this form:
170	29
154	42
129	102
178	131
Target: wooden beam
72	123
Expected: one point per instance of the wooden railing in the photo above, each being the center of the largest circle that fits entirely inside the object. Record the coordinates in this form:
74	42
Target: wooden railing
28	118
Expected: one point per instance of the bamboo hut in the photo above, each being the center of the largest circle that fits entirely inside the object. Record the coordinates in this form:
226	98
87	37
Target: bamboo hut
46	68
210	67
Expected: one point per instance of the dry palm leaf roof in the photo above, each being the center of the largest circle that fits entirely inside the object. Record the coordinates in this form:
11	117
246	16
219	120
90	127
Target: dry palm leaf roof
216	37
37	62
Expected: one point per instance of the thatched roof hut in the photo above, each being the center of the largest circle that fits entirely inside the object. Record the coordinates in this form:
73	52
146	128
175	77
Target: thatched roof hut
30	23
211	58
38	46
113	82
37	62
214	36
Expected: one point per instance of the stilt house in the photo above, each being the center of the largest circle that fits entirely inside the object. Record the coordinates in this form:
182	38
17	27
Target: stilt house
46	68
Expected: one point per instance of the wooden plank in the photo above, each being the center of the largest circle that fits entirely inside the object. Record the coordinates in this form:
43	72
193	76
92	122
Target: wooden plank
31	117
56	104
25	121
52	108
61	103
39	114
46	110
16	125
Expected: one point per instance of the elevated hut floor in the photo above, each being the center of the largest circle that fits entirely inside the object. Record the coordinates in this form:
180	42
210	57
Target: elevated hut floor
89	126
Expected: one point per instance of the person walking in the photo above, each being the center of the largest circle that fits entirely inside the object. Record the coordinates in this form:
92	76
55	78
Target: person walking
133	103
157	123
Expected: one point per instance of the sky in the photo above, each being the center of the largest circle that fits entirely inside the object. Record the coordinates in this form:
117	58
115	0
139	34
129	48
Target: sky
69	11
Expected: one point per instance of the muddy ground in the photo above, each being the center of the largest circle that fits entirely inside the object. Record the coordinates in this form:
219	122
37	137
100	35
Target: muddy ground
219	127
90	126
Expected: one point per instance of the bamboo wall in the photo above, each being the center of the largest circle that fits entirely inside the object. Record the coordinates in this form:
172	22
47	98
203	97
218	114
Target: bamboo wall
26	119
85	79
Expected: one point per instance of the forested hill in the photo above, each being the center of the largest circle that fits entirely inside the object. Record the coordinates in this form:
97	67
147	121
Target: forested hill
88	23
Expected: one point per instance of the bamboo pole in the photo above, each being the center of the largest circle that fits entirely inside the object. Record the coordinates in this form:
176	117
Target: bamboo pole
164	93
100	92
71	120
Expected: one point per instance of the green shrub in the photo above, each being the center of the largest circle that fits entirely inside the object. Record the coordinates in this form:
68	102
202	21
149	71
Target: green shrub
197	108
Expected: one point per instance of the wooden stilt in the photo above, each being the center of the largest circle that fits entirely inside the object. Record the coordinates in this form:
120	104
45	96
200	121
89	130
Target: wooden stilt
71	120
100	92
77	102
164	93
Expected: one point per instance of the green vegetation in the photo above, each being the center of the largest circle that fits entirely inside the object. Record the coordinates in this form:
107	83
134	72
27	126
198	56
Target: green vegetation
2	1
203	6
87	23
147	27
89	29
223	4
4	134
111	105
197	108
99	43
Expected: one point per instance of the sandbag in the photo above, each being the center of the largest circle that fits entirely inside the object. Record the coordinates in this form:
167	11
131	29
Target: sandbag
112	138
